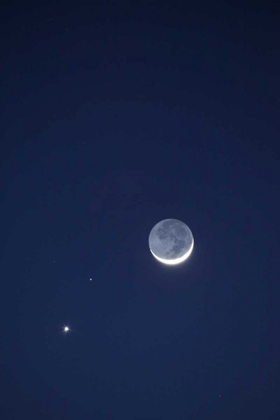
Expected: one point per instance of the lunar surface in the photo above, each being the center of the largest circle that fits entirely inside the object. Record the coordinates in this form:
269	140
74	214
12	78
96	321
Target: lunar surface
171	241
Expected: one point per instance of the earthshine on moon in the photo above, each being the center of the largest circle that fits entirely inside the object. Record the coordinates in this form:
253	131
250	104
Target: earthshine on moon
171	241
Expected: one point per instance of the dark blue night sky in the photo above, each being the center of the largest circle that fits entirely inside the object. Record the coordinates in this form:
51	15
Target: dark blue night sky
114	117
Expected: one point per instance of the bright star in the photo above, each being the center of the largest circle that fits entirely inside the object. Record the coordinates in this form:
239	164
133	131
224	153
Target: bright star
66	329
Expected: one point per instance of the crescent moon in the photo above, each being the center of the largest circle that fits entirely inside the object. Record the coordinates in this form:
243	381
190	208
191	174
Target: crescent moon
171	241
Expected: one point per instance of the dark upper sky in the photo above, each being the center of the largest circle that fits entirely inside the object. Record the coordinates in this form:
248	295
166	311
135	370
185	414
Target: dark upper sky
114	117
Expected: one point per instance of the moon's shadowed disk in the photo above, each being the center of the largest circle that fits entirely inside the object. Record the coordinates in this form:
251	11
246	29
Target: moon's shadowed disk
171	241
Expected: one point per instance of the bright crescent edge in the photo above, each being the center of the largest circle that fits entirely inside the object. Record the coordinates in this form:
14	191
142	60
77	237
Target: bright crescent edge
177	260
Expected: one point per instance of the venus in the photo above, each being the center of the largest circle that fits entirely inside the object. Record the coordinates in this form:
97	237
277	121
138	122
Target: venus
171	241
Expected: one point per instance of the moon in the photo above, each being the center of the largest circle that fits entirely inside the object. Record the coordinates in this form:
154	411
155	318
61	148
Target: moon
171	241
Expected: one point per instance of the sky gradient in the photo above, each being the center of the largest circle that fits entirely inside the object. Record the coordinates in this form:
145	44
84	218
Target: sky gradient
114	117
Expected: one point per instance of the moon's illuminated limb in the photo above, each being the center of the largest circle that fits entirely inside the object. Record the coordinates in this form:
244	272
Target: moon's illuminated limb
177	260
